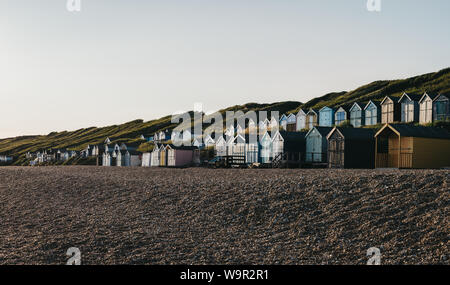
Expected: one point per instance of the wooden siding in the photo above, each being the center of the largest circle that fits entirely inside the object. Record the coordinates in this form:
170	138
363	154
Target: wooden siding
311	120
356	116
409	110
426	111
301	122
372	116
387	112
431	153
316	147
441	108
326	117
340	116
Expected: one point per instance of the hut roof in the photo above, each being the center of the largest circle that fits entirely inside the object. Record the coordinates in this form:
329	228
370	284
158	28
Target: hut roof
411	96
431	96
355	133
182	147
293	136
418	131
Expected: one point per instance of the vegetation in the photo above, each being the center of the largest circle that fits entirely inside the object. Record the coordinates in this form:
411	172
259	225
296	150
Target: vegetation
438	82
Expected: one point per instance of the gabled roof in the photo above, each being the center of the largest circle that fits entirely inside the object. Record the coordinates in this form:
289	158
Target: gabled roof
265	136
219	139
326	107
181	147
315	111
354	133
407	130
387	97
377	104
346	108
157	147
323	131
410	96
445	95
293	136
425	95
244	138
359	105
300	112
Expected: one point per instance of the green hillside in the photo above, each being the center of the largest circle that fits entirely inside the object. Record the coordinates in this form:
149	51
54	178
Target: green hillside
131	131
437	82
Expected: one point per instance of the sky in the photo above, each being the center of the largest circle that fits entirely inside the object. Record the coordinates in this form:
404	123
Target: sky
119	60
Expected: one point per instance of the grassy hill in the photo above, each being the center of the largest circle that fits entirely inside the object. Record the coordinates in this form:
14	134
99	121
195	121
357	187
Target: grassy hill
437	82
131	131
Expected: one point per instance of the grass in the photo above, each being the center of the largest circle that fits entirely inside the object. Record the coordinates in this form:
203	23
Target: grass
130	132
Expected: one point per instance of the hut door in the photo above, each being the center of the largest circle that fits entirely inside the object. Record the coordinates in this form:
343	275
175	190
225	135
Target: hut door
336	153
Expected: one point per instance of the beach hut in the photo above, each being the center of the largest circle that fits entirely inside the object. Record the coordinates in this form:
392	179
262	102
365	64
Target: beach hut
5	158
251	126
273	123
357	115
180	156
341	115
163	156
301	120
135	158
289	147
244	145
229	132
155	162
209	141
426	108
265	148
106	158
372	114
409	110
291	123
312	119
264	125
197	142
441	107
146	159
351	148
123	158
221	146
326	117
408	146
317	145
390	110
283	122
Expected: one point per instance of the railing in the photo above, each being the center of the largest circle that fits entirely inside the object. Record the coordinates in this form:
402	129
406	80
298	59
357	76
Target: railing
316	157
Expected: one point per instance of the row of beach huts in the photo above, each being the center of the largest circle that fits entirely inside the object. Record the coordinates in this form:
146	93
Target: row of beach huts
393	146
307	138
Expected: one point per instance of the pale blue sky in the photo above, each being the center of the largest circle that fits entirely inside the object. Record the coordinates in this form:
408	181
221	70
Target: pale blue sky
119	60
